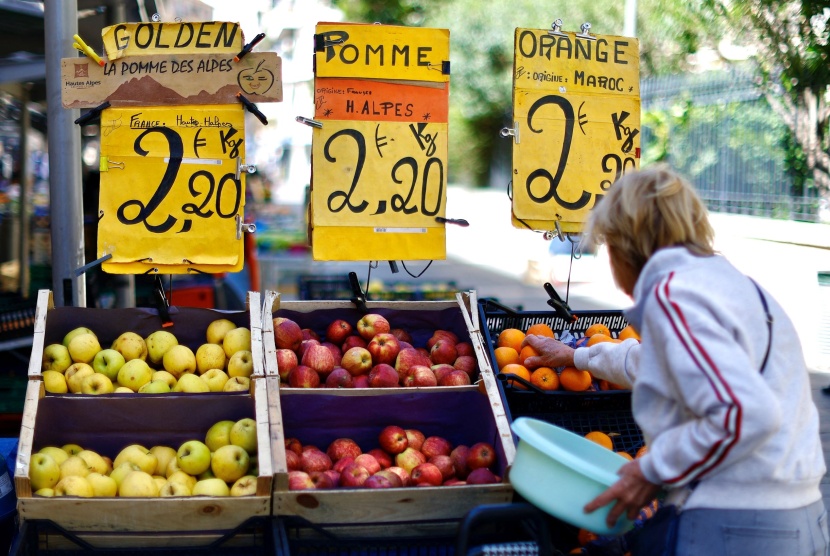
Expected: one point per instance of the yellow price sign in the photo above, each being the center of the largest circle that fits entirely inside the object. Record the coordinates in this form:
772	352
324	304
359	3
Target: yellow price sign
379	190
576	113
196	37
172	193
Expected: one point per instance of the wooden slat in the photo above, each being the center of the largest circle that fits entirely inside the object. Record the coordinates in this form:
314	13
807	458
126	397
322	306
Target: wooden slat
44	304
255	312
271	300
35	390
276	433
266	466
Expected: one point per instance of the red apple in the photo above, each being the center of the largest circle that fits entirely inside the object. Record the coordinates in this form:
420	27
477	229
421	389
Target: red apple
405	345
322	480
421	376
427	473
335	352
299	480
454	482
442	370
286	360
334	475
382	456
361	381
287	334
408	358
442	334
341	464
459	460
480	455
338	331
369	462
357	360
443	351
402	474
415	438
393	440
319	358
384	348
391	476
353	476
372	324
466	363
314	460
304	345
308	447
383	376
378	481
482	476
353	341
302	376
455	378
409	459
435	446
292	461
294	445
340	378
444	464
423	351
342	447
465	348
309	334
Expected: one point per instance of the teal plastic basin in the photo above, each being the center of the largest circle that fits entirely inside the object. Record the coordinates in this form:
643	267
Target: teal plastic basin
559	472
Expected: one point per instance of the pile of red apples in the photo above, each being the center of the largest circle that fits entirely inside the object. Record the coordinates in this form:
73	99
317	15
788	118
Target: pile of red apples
369	354
402	458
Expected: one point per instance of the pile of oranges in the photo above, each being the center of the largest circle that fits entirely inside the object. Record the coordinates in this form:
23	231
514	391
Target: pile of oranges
511	358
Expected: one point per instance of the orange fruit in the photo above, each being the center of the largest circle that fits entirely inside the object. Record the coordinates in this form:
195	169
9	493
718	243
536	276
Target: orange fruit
505	355
574	380
584	536
606	385
541	329
600	438
598	337
629	332
545	378
641	451
597	328
511	337
526	352
518	370
626	455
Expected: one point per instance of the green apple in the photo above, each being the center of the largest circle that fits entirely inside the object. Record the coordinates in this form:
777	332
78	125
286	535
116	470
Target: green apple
217	329
163	456
155	387
74	485
244	486
190	383
54	382
243	433
139	455
230	463
96	383
44	471
216	379
237	384
181	477
56	453
56	358
75	465
238	339
166	377
157	345
138	484
134	374
210	356
131	346
108	362
211	487
45	492
75	375
241	363
179	360
72	449
120	471
95	461
174	489
102	485
83	347
218	435
193	457
75	332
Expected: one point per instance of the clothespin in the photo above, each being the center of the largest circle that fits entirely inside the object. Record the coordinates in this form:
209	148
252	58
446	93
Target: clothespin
457	221
162	304
359	298
251	107
84	48
248	47
562	309
92	114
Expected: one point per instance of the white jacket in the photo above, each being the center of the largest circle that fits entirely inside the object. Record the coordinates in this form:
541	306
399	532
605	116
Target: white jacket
707	412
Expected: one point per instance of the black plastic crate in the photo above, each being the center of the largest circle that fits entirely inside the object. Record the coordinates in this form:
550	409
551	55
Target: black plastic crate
337	287
17	316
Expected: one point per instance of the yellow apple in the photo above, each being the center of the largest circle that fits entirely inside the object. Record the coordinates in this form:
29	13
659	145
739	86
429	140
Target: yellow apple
134	374
181	477
131	346
158	343
218	435
74	485
235	340
241	363
120	471
237	384
210	356
174	489
191	383
75	332
44	472
230	463
96	383
211	487
166	377
155	387
164	454
160	481
217	329
45	492
108	362
56	453
102	485
179	360
193	457
75	465
83	347
75	375
138	484
55	382
139	455
72	449
244	486
215	379
56	358
243	433
95	462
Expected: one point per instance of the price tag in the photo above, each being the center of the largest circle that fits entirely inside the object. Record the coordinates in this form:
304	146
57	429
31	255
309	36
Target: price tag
576	112
139	39
172	192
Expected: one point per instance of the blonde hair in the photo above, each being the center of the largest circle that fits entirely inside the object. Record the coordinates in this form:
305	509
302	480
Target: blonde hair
650	209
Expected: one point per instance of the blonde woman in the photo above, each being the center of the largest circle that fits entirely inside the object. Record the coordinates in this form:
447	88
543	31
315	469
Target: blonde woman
721	395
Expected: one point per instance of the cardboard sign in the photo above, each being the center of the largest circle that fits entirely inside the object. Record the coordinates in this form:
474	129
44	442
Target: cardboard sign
141	39
380	101
576	112
171	191
171	79
378	188
382	52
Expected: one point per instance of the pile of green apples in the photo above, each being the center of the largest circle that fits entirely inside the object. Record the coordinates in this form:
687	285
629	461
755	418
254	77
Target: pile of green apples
153	365
225	464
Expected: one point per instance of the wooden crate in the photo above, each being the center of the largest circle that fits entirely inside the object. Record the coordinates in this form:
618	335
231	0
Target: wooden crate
108	423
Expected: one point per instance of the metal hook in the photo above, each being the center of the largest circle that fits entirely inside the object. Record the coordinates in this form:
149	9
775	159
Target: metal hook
585	34
309	122
511	132
556	29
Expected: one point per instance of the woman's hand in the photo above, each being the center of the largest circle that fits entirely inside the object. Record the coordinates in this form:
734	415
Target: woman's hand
631	492
552	353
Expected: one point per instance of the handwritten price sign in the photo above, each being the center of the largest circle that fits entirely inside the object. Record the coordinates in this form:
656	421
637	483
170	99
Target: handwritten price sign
171	189
576	112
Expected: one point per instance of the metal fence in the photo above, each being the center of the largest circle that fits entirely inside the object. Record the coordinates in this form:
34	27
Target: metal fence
719	130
